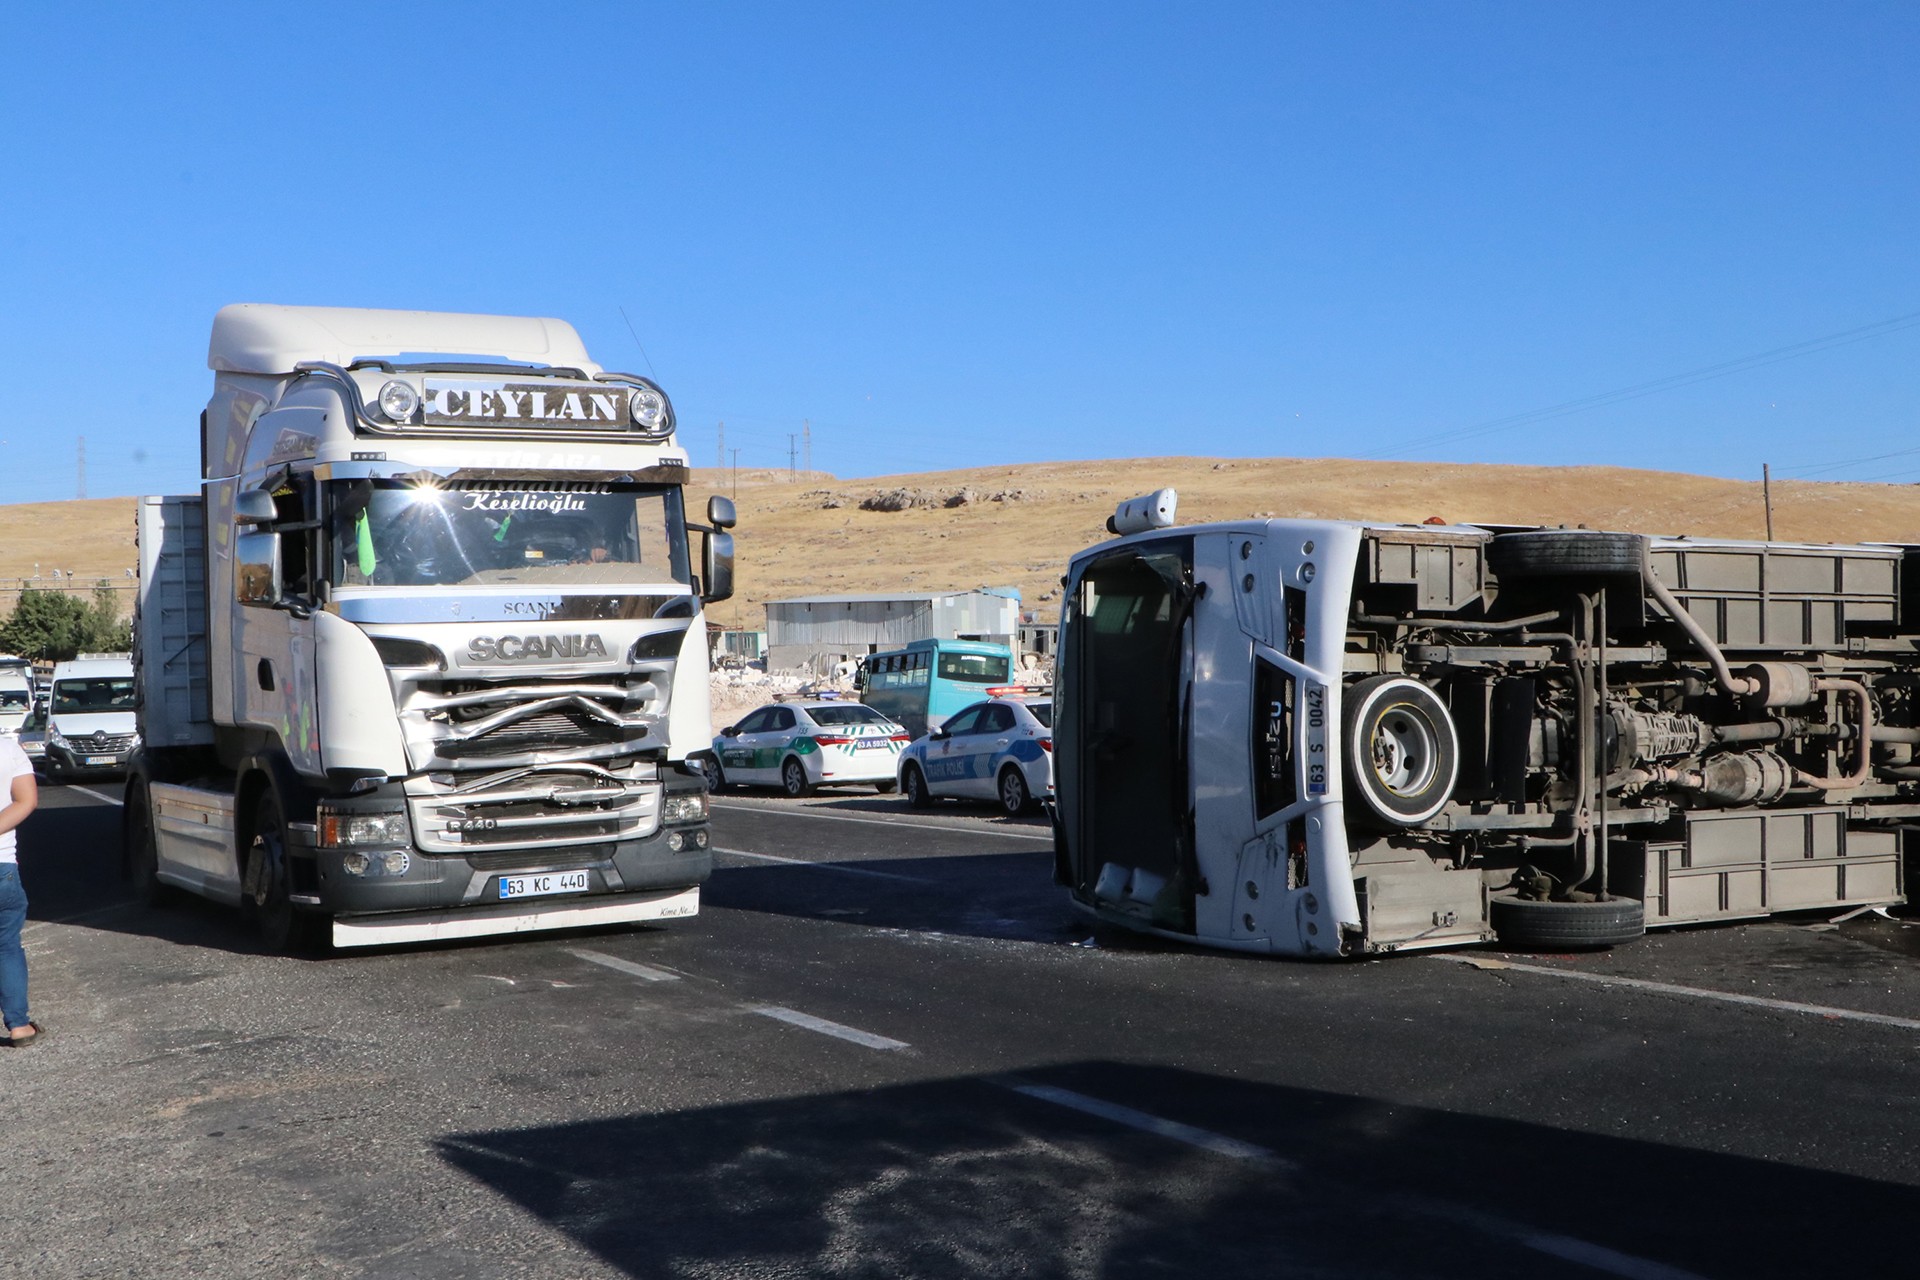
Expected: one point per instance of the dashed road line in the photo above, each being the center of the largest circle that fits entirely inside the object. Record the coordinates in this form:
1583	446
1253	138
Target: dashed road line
841	867
1691	993
795	1018
887	822
645	972
1204	1139
97	795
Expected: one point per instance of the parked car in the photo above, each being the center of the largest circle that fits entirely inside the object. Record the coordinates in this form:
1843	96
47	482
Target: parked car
32	734
1000	749
800	745
91	729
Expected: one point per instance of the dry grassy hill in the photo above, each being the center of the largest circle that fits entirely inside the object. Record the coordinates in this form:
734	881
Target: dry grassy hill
1016	525
1020	523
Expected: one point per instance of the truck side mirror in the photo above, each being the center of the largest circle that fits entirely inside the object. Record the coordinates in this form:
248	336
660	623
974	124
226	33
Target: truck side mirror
254	507
720	512
256	567
716	567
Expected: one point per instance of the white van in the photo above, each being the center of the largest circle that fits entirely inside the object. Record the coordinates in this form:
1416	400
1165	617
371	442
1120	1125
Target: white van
90	724
16	692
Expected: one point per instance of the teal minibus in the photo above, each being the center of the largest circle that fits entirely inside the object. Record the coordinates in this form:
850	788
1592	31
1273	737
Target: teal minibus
921	685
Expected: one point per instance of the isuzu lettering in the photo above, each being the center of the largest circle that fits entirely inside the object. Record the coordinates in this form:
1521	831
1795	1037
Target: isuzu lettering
1320	738
427	655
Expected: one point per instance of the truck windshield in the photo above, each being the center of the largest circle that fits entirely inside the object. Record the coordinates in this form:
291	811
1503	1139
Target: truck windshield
406	533
96	693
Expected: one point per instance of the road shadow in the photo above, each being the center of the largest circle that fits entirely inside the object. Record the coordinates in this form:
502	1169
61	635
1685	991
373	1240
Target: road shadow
968	1178
986	895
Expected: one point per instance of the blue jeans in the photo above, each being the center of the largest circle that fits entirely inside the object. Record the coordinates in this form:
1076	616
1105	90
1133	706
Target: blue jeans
13	957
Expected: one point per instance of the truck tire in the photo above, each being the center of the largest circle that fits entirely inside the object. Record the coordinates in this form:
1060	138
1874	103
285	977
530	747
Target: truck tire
266	893
141	856
1528	925
1402	754
1553	553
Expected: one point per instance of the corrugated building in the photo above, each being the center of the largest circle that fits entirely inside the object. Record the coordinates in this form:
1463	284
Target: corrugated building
818	632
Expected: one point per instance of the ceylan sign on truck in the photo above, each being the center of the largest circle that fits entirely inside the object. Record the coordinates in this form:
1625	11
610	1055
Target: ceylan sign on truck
484	404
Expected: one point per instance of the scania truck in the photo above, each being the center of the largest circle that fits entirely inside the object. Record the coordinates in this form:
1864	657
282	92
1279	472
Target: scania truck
1324	738
425	658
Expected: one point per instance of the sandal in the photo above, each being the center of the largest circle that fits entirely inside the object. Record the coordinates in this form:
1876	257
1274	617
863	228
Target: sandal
25	1042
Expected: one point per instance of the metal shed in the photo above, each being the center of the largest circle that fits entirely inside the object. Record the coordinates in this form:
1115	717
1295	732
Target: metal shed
818	632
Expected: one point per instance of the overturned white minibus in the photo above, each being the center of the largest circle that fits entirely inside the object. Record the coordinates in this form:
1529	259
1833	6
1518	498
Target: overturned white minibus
1325	738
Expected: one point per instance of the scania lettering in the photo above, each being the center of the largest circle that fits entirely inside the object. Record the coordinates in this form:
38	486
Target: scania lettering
426	657
1321	738
534	648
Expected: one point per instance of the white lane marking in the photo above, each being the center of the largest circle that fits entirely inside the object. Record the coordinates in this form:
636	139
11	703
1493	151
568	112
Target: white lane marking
1567	1248
842	868
645	971
1692	993
825	1028
89	791
881	822
1205	1139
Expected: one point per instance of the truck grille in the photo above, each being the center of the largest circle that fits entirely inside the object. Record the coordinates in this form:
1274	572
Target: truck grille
535	809
553	730
537	721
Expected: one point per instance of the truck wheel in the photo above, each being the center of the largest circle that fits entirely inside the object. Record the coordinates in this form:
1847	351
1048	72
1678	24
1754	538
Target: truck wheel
142	856
716	776
1014	796
1567	926
793	778
1402	754
1549	553
915	786
266	894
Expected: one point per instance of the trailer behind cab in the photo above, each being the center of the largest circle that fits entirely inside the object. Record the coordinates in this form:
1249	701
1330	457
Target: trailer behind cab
1330	738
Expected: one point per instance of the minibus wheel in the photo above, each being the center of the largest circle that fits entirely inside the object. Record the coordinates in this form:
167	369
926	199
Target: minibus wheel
1402	754
1529	925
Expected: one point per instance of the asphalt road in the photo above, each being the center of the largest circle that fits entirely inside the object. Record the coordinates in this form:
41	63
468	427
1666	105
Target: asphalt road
887	1048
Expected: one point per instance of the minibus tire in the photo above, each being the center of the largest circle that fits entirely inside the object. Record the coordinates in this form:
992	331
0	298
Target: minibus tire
1528	925
1552	553
1394	724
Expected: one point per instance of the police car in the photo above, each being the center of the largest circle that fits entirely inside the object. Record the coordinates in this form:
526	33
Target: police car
1000	750
803	744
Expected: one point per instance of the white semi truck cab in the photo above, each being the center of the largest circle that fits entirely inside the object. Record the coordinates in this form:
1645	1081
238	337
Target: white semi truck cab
1328	738
426	657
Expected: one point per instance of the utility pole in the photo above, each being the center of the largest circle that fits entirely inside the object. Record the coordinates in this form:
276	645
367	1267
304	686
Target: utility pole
80	486
722	464
1766	495
736	475
806	427
790	448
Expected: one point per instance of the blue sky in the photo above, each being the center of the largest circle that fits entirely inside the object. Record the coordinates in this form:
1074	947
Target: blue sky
958	235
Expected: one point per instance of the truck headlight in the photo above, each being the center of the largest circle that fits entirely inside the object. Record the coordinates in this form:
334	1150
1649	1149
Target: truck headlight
398	400
649	409
342	830
685	806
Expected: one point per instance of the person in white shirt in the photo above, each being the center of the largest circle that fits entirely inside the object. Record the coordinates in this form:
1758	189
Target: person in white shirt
23	796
